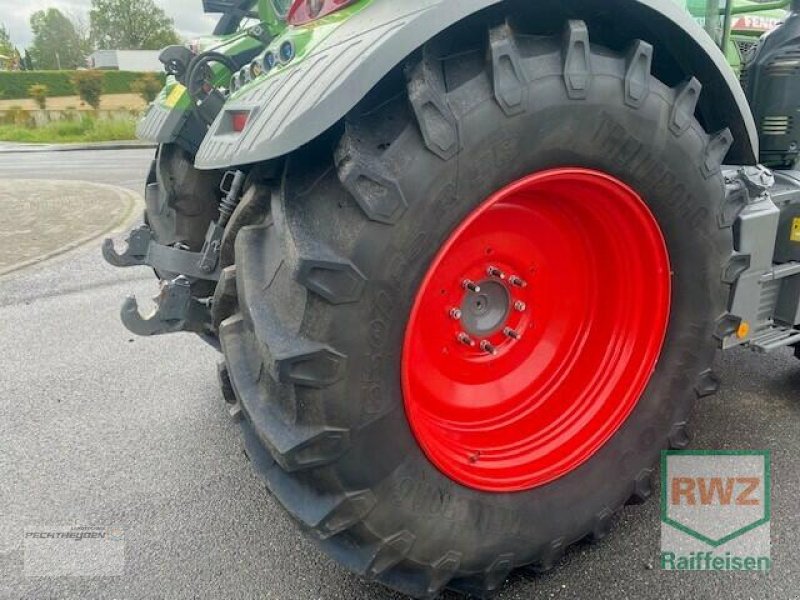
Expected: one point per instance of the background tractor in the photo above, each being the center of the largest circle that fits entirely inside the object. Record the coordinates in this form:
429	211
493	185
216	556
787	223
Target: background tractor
469	263
737	26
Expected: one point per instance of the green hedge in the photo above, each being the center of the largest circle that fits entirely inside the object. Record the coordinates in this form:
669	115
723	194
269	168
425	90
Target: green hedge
14	84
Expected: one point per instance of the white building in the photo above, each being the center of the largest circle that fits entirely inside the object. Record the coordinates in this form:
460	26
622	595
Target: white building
126	60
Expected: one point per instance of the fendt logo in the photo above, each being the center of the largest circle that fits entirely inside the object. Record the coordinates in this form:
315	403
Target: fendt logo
715	511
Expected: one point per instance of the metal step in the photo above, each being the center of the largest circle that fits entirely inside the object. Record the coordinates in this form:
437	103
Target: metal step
774	338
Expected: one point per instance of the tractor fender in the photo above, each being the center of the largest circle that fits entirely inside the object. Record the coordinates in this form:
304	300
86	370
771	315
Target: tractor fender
293	105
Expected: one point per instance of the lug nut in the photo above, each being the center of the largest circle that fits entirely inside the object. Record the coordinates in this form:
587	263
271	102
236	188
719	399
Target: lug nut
512	333
495	272
517	282
488	347
471	286
520	306
465	339
455	314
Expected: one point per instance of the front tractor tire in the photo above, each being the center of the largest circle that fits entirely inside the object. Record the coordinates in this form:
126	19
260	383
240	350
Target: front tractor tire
472	322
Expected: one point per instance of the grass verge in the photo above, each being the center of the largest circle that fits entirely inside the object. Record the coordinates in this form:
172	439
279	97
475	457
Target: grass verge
87	129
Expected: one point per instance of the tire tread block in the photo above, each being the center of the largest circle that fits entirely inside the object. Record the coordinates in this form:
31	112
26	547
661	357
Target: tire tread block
335	279
324	515
736	199
642	487
603	523
376	191
637	73
441	573
708	383
225	383
687	97
510	83
295	447
225	296
486	584
727	325
497	573
577	60
679	436
717	149
390	553
550	556
426	92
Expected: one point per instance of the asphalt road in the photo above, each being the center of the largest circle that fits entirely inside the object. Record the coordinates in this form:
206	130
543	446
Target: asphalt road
125	168
100	429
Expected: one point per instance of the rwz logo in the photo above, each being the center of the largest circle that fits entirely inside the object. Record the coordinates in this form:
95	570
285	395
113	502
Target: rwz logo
715	490
714	497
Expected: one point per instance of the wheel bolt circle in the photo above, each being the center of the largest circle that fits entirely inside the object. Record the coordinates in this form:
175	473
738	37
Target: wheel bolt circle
512	333
517	281
455	314
520	306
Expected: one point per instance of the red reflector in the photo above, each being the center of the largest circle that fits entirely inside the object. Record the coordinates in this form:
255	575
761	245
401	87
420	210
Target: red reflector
305	11
239	121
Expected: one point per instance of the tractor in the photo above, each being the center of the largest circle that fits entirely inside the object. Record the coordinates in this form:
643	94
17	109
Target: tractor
469	263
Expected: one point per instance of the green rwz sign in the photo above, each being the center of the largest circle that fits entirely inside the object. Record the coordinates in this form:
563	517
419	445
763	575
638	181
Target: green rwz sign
715	511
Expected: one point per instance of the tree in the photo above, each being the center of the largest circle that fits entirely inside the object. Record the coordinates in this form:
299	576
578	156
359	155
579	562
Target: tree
83	32
6	47
130	25
28	60
56	43
89	85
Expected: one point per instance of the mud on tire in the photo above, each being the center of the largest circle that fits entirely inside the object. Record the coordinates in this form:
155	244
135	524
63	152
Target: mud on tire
325	287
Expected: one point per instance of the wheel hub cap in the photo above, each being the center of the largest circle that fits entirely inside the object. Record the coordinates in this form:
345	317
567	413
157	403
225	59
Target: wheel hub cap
536	330
486	311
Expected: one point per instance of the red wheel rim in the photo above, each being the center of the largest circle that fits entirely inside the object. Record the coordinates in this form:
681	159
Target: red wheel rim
536	330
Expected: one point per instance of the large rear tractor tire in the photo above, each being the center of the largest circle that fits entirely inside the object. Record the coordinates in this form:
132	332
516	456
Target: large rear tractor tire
472	323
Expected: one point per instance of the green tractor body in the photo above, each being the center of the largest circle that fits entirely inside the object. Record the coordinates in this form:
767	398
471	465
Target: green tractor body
242	32
469	262
735	26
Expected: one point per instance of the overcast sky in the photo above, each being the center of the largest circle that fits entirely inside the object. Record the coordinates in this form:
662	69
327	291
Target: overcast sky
15	14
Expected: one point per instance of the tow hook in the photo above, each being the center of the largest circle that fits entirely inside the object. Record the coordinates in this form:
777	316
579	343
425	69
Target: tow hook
176	309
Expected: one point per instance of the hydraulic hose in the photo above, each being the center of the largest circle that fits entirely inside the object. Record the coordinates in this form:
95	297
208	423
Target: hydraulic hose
201	60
